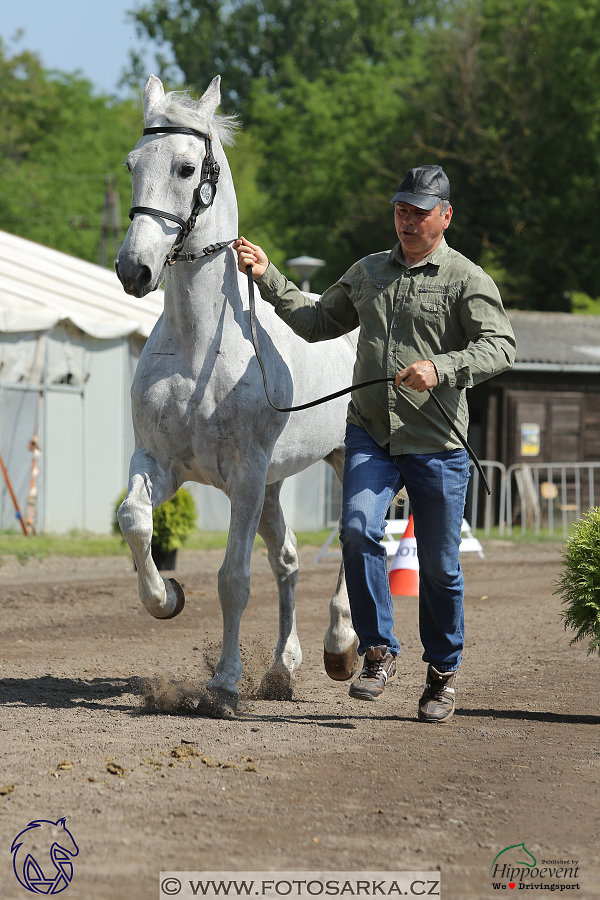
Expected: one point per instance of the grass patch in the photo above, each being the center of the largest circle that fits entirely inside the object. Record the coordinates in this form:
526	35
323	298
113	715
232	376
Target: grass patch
83	543
530	537
74	543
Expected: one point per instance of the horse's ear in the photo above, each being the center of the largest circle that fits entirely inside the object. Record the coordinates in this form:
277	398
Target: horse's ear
211	98
153	94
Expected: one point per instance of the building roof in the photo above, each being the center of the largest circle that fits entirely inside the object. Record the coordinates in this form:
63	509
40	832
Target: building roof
556	341
40	287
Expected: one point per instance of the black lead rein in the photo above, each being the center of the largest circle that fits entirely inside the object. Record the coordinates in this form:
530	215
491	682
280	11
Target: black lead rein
348	390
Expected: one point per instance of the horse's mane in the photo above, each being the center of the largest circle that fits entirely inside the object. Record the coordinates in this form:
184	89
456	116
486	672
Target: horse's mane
179	108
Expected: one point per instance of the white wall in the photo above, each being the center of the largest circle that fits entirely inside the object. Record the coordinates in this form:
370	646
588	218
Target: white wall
87	442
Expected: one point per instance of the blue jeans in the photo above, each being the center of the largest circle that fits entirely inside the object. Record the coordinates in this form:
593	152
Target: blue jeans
437	487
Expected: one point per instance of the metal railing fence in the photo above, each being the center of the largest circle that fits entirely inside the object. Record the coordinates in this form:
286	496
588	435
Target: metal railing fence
548	495
549	491
494	504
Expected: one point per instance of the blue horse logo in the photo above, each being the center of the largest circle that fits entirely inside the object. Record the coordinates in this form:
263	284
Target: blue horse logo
54	846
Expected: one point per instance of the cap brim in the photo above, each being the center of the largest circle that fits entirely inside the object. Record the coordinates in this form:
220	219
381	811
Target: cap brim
421	201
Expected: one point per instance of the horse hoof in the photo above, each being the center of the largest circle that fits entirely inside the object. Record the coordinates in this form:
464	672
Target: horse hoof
276	684
180	599
216	703
342	666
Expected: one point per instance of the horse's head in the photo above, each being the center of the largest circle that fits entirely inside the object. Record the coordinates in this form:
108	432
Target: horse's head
169	172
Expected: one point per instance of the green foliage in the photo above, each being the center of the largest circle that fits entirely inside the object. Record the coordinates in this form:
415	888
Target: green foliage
513	113
582	305
57	144
323	144
343	96
340	98
245	160
173	521
579	585
246	40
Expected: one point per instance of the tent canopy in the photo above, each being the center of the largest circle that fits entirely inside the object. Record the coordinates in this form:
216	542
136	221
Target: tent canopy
40	287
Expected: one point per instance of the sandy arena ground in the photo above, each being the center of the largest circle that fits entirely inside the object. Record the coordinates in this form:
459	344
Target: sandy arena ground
319	782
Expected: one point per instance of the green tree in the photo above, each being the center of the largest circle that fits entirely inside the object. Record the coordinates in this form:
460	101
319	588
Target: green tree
511	108
245	40
343	96
505	95
58	142
324	171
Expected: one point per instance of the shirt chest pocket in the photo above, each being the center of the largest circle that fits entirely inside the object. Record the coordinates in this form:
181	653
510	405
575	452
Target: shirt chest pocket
433	303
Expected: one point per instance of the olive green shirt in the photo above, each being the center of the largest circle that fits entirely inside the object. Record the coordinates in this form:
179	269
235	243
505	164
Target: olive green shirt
444	308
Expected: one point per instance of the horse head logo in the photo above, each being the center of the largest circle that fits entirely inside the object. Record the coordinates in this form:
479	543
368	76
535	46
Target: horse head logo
514	851
50	871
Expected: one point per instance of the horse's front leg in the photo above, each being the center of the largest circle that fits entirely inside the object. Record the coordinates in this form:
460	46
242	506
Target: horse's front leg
149	486
247	492
283	558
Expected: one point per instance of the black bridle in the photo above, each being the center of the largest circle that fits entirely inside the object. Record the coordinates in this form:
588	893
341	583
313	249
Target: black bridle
204	196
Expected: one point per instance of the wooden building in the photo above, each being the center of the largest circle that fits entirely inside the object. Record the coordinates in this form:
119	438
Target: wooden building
547	407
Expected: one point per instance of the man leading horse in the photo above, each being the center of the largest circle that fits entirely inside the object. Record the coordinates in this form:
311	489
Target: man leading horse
433	319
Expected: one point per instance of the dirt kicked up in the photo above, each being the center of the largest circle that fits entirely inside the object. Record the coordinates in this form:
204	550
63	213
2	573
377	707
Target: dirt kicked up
97	725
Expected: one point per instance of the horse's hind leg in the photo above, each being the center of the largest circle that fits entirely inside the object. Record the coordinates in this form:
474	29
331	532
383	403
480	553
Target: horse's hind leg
340	641
149	486
281	547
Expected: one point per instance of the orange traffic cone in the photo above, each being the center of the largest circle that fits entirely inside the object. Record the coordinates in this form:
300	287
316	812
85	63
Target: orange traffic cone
404	571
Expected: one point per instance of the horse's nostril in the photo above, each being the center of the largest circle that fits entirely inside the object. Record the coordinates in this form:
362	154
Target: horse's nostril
145	276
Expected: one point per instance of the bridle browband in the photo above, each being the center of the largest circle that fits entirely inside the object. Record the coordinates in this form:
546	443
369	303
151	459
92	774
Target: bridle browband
203	197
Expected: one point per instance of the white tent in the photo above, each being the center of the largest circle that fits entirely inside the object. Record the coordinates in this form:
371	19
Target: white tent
70	338
69	342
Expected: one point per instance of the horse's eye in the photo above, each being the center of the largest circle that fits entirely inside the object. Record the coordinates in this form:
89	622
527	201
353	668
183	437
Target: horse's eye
187	171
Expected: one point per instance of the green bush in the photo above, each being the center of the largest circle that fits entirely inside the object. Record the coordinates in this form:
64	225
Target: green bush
579	585
173	522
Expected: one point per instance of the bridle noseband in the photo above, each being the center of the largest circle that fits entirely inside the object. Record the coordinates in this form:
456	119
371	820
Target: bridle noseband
203	196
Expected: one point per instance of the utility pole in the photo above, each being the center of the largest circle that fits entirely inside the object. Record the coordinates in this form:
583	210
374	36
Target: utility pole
111	221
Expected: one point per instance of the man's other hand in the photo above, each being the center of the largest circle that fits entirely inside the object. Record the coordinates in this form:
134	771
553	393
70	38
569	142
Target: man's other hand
250	255
420	376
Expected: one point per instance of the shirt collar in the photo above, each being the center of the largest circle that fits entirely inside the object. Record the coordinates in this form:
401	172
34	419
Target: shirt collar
437	257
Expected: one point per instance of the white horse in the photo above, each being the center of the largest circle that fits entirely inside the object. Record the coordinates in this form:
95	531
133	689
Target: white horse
199	406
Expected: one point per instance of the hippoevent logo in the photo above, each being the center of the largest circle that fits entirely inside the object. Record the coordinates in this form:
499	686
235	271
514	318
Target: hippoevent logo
516	868
50	871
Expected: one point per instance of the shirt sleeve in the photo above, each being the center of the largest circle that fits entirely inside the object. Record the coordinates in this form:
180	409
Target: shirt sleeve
490	345
314	320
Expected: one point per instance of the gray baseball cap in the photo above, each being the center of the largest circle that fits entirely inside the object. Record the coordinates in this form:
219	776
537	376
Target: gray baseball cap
424	187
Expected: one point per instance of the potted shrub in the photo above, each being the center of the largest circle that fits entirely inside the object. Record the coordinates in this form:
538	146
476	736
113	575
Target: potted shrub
173	522
579	585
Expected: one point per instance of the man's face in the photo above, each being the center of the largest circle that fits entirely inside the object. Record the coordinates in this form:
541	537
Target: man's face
420	230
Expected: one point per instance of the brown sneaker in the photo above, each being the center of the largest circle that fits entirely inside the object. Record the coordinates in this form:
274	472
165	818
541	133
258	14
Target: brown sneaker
378	668
437	702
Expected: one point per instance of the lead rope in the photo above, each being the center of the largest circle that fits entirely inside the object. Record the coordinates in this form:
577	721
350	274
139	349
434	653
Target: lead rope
348	390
